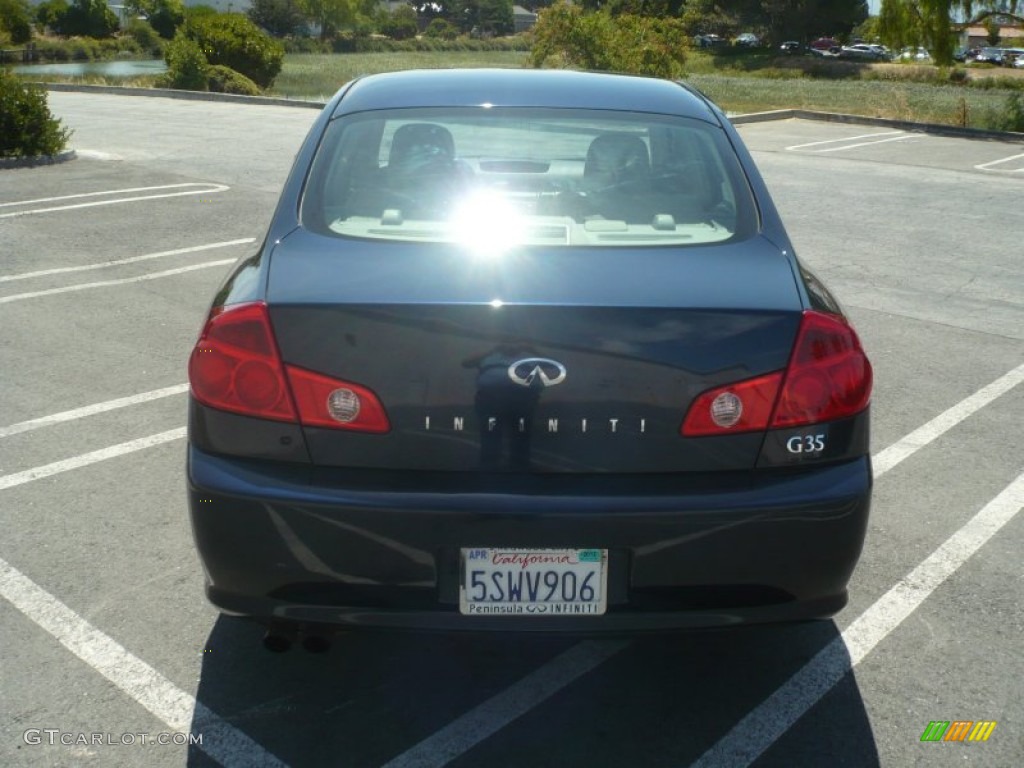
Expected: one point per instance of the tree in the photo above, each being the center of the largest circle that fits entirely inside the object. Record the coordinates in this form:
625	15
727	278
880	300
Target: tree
330	15
88	18
992	32
16	20
931	22
278	17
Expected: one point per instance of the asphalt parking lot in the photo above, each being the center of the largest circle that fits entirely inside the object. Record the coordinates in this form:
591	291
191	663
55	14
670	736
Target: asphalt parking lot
107	646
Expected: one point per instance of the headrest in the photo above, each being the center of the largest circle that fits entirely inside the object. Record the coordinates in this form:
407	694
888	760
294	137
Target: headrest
617	155
420	145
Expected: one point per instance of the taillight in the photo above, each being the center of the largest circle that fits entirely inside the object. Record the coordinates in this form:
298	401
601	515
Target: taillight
326	402
235	366
828	378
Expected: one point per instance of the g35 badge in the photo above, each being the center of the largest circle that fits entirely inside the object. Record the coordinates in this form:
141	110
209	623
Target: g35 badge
806	444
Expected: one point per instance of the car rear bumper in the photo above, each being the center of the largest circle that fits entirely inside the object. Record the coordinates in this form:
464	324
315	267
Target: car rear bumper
301	544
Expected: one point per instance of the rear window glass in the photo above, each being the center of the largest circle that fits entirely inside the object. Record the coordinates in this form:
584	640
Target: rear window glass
495	178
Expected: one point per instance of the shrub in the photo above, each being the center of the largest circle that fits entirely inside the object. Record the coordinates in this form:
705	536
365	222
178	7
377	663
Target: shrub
441	28
221	79
234	41
567	36
145	36
27	128
186	66
400	24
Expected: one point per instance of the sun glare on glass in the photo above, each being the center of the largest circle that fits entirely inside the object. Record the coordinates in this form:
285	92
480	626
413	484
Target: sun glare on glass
487	224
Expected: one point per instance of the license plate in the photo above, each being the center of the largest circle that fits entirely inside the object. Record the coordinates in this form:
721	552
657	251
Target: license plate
533	582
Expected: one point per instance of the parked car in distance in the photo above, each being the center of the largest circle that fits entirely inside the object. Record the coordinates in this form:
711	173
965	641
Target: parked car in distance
476	379
709	41
791	47
748	40
1019	62
990	55
919	54
863	52
824	44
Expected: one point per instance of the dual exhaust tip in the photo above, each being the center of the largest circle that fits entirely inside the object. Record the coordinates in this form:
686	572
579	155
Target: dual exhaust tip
279	638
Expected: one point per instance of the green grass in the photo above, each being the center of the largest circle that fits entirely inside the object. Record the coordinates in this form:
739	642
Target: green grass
942	104
317	76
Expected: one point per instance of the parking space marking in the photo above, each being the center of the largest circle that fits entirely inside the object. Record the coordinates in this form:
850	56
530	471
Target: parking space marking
176	708
83	460
90	410
129	260
865	144
474	726
988	166
121	281
763	726
847	138
926	433
488	718
194	188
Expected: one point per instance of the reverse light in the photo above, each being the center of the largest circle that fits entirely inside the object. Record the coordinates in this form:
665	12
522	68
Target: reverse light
828	378
327	402
745	406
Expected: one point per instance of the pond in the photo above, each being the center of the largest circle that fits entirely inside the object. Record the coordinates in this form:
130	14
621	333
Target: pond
120	68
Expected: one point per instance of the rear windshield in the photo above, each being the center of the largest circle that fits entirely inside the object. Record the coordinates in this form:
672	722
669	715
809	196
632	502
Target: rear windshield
493	178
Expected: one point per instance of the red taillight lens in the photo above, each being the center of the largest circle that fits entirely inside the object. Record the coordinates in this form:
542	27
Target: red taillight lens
755	398
326	402
235	365
829	376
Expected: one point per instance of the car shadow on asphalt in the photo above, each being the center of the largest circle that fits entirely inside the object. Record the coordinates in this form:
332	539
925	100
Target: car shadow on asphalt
663	700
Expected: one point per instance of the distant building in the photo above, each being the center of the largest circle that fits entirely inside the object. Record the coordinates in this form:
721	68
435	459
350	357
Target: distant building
977	37
522	18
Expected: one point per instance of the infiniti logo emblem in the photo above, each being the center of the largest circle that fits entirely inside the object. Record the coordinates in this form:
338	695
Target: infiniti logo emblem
526	372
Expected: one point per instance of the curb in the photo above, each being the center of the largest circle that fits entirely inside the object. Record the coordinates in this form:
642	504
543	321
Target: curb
37	160
884	122
170	93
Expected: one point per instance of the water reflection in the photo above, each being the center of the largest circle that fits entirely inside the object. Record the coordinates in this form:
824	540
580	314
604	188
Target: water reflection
99	68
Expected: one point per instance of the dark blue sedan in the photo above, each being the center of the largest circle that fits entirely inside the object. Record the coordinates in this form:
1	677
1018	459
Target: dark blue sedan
526	350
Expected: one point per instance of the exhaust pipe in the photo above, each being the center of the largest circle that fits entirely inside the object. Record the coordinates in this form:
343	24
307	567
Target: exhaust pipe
278	639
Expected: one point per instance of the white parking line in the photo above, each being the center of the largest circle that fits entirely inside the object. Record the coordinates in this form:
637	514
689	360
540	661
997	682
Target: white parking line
503	708
122	281
486	719
83	460
90	410
865	144
988	166
177	709
129	260
194	188
920	437
845	139
763	726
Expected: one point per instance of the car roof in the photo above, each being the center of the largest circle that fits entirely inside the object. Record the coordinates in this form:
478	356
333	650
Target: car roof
521	88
